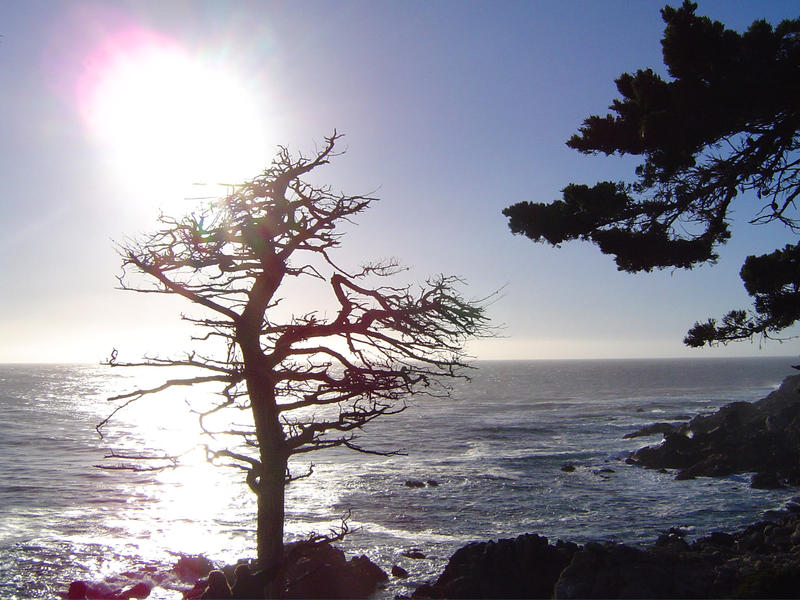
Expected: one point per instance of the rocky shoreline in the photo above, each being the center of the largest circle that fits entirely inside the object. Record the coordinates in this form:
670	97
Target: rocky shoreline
762	438
312	570
760	561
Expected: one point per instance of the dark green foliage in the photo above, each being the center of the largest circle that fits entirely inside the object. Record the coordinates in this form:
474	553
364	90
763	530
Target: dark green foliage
774	282
726	124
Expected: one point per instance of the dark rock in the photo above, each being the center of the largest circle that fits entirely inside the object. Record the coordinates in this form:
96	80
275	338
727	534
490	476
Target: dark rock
776	516
717	538
364	570
413	553
196	591
654	429
766	481
77	590
312	570
322	571
793	505
398	571
432	482
426	590
524	567
246	583
80	590
758	561
216	587
140	590
769	583
568	468
414	483
617	571
760	437
191	568
672	541
751	541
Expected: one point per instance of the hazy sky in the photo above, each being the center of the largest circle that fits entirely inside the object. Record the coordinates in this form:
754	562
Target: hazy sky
451	110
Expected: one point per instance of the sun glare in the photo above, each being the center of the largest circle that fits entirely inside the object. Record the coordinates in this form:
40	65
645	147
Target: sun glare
166	118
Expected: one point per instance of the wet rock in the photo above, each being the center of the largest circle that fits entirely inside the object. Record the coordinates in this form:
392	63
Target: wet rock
414	553
216	586
604	471
140	590
568	468
718	538
81	590
77	590
768	480
758	561
196	591
414	483
246	582
427	590
794	539
524	567
400	572
762	437
432	482
191	568
781	582
366	571
674	543
322	571
618	571
654	429
776	516
793	505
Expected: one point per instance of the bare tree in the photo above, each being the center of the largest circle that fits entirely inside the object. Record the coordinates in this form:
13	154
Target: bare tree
380	345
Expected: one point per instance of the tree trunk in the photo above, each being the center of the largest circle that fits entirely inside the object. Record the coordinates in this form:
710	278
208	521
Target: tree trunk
269	528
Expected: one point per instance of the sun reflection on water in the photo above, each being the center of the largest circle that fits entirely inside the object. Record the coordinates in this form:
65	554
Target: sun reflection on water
199	507
193	508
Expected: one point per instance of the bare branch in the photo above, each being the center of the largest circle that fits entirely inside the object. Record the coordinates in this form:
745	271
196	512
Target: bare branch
308	382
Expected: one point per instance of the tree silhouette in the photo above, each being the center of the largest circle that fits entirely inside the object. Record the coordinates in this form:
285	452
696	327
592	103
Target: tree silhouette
308	381
726	124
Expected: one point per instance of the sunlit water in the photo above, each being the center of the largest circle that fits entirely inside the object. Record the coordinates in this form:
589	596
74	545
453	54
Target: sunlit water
495	449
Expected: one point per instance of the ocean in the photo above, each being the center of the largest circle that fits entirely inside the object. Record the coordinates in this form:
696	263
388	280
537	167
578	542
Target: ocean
494	450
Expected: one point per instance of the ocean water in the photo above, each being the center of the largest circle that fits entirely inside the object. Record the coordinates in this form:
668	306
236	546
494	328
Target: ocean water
495	449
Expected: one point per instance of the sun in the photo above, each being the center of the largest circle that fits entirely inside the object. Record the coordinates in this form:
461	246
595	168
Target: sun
165	118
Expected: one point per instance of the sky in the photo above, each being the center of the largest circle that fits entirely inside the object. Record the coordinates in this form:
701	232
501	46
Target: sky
112	111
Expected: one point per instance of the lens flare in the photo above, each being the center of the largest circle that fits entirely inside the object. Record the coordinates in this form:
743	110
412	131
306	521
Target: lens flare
166	117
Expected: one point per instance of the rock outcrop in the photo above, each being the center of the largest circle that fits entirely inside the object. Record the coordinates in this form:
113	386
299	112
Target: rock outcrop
761	561
312	570
322	571
524	567
762	437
